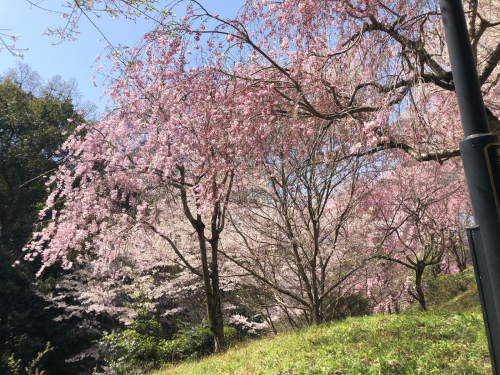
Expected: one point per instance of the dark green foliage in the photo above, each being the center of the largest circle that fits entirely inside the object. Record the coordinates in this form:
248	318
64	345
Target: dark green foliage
25	325
196	340
142	347
32	129
31	132
147	346
356	304
129	350
14	365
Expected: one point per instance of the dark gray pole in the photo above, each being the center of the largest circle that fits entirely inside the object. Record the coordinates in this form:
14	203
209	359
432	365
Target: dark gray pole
480	151
485	294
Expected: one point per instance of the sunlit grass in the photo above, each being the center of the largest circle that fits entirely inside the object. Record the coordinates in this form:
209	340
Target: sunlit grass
448	339
423	343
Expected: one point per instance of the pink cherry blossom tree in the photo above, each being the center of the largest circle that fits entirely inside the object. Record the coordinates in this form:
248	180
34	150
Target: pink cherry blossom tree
413	215
383	64
134	169
291	224
382	68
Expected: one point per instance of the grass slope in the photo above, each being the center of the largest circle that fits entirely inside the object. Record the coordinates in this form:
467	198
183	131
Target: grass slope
442	341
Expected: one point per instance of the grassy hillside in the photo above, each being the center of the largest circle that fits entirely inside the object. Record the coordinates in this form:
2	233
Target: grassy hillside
450	339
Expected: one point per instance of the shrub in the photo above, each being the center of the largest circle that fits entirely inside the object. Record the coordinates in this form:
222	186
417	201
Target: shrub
145	346
130	349
140	348
349	305
196	340
192	341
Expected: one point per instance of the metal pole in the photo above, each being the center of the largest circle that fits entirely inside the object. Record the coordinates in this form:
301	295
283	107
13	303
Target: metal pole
485	294
480	151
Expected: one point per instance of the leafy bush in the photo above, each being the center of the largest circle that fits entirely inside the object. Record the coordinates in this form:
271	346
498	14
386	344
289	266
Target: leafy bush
232	335
196	340
14	365
141	347
130	350
192	341
349	305
144	348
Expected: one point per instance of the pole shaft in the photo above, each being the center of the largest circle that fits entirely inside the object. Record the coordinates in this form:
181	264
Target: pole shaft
470	99
480	151
485	294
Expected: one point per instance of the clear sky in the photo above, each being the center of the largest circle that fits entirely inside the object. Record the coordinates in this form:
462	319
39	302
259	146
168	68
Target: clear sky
73	59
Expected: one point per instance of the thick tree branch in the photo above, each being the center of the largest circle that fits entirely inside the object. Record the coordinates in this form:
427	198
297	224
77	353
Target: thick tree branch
491	64
405	43
184	199
390	259
438	155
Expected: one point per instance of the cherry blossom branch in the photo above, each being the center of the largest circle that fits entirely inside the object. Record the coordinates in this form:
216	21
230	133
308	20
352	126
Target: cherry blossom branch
12	49
438	155
342	279
176	250
42	8
37	177
405	42
265	280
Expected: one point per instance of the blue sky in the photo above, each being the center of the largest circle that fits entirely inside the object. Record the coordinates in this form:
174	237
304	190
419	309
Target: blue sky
73	59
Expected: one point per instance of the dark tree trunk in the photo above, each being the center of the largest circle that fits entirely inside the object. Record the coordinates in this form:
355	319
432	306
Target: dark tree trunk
268	318
396	306
293	324
210	268
212	291
217	326
418	288
460	253
316	315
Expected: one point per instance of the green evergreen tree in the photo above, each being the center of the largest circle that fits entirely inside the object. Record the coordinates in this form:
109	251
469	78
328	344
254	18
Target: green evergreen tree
33	125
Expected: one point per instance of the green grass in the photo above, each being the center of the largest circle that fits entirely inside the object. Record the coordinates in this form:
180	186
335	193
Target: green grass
430	343
441	341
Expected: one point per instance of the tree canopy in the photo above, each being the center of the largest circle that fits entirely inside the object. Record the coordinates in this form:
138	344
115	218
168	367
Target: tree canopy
33	125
